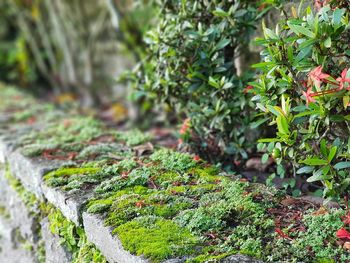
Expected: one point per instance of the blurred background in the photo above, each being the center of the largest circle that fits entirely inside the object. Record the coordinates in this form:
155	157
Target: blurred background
74	50
129	62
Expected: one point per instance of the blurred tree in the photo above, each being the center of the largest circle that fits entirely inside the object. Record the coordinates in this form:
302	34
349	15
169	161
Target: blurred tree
70	42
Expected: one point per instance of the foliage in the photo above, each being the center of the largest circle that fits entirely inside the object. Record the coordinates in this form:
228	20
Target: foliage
303	92
192	68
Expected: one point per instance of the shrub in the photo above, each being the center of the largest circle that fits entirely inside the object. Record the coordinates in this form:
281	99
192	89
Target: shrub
303	92
192	69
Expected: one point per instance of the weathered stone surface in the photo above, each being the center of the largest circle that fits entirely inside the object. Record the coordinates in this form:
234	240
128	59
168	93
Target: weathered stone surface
5	149
9	138
21	217
6	228
15	253
69	204
238	258
108	244
30	171
12	245
54	251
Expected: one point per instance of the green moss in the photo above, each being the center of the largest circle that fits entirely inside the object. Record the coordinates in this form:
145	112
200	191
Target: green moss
206	258
173	161
105	151
73	237
101	205
155	238
65	134
64	176
133	137
71	171
170	210
29	199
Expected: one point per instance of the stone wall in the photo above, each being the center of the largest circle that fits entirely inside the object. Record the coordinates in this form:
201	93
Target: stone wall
39	223
74	190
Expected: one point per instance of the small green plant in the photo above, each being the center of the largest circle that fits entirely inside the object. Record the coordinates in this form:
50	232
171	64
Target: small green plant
74	238
172	160
63	134
133	137
303	92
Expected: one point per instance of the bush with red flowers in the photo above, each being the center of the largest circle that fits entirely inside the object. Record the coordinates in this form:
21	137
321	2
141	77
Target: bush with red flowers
303	91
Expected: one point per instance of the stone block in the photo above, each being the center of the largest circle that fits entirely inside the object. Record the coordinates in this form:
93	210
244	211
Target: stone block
110	246
55	252
69	204
30	171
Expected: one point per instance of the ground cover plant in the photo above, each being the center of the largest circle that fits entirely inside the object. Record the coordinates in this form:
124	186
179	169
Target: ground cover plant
170	204
303	92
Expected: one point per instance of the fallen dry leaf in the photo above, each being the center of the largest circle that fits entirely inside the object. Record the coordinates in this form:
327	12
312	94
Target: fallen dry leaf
346	245
321	211
288	201
144	148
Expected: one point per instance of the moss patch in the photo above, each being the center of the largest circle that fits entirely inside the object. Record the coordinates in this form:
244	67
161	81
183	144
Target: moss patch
133	137
156	238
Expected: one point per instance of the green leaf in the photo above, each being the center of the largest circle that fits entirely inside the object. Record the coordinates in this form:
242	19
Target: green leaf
305	113
337	15
314	161
328	42
264	158
303	53
273	110
258	123
212	82
301	30
305	170
222	43
342	165
221	13
264	65
270	34
282	124
318	175
323	148
269	140
332	153
346	100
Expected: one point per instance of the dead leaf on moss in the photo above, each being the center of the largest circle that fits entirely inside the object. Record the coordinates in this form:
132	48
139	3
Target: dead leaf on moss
321	211
346	245
288	201
144	148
